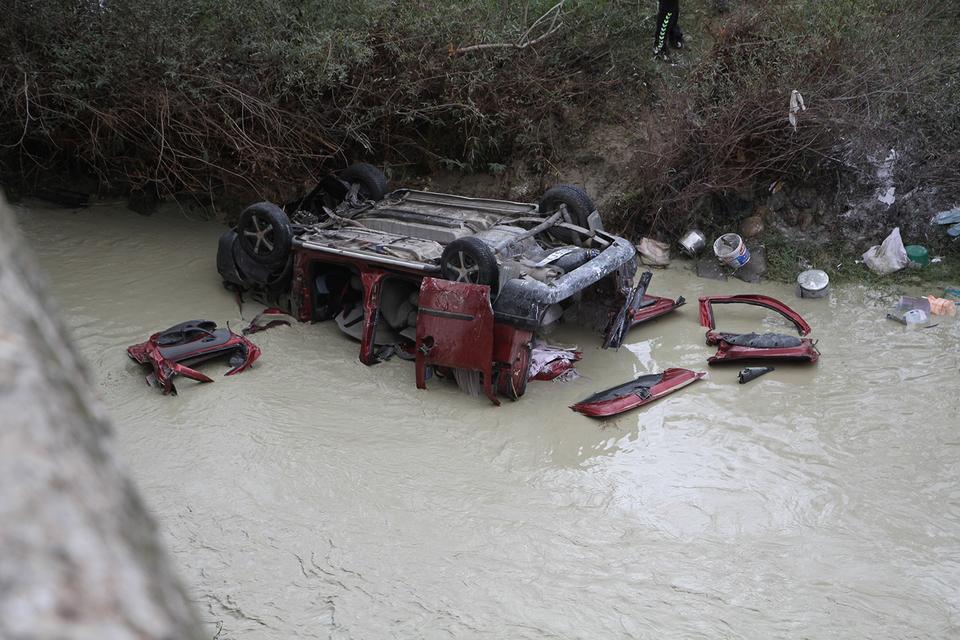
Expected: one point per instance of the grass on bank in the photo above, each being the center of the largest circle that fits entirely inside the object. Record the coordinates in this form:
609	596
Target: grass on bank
786	258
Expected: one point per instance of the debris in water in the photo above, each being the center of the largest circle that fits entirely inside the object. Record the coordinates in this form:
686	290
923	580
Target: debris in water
551	362
635	393
752	373
267	319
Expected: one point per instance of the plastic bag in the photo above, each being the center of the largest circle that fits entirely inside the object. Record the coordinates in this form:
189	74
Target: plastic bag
887	257
653	253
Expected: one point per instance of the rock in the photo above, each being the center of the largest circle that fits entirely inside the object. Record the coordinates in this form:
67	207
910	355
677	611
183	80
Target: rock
710	267
751	227
778	201
754	270
764	212
803	197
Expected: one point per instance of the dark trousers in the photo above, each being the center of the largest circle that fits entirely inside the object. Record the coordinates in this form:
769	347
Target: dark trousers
667	28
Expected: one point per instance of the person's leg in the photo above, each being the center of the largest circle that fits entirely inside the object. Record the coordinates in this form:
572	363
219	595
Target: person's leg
675	34
666	16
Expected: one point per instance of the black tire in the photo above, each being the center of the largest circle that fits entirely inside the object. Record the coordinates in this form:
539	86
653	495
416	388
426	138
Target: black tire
470	260
264	233
255	275
373	184
579	204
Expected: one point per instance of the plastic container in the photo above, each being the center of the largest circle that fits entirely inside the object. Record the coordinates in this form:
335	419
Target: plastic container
918	255
915	317
731	250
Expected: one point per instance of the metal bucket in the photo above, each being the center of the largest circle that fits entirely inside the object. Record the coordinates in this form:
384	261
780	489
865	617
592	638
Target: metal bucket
813	283
731	250
693	242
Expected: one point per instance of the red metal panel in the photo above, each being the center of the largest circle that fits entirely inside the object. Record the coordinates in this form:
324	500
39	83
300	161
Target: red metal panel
455	329
673	380
655	306
707	302
372	286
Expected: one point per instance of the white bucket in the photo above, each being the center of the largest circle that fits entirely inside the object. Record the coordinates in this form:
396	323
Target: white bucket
730	249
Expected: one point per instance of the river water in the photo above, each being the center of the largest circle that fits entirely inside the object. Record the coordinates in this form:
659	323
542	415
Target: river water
314	497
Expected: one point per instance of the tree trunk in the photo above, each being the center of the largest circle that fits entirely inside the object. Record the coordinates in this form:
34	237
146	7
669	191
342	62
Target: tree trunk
79	555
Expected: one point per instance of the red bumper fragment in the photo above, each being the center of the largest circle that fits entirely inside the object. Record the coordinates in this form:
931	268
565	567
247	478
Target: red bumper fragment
636	393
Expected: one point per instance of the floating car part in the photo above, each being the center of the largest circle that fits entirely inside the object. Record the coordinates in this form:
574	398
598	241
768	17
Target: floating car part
267	319
752	373
549	362
622	321
637	392
653	307
754	346
176	350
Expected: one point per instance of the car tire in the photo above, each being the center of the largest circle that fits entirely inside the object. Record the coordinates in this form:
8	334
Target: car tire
264	233
372	182
512	382
470	260
579	204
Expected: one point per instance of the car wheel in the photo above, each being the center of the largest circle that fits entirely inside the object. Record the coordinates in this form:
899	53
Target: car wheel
371	181
512	382
265	234
470	260
579	204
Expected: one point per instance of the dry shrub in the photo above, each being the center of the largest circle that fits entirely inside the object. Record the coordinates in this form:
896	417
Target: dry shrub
866	86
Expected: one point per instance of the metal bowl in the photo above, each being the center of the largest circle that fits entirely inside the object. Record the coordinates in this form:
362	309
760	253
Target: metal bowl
813	283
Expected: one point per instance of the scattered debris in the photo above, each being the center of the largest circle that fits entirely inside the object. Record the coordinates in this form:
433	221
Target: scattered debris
942	306
169	352
813	283
551	362
951	217
731	250
693	242
887	257
752	373
757	346
796	106
623	320
635	393
267	319
654	253
918	255
653	307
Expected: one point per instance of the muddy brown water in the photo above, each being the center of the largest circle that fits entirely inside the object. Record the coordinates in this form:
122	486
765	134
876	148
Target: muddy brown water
314	497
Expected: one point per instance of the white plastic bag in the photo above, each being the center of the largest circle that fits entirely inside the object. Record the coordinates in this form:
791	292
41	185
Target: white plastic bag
888	257
653	253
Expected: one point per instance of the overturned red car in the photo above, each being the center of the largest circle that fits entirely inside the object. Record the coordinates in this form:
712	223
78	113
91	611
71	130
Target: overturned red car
460	285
